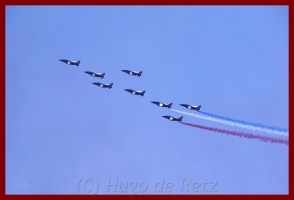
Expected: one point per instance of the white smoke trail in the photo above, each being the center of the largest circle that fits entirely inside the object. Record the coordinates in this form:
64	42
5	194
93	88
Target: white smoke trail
253	128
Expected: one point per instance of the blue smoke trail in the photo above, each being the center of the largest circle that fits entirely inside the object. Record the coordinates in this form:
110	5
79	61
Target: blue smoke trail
275	129
240	134
243	122
231	123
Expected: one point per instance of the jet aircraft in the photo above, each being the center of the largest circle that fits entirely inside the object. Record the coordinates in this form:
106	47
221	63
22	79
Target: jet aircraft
70	62
102	85
162	104
101	75
132	72
173	118
134	92
190	107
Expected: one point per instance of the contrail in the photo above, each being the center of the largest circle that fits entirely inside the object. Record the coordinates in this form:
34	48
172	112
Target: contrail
240	134
237	124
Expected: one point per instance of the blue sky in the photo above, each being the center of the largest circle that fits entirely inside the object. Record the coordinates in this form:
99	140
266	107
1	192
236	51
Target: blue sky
61	130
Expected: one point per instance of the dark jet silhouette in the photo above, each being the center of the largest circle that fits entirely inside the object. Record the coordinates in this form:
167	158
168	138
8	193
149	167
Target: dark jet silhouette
101	75
190	107
173	118
134	92
70	62
162	104
102	85
132	72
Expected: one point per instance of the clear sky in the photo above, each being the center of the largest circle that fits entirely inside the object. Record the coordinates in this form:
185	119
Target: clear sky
64	135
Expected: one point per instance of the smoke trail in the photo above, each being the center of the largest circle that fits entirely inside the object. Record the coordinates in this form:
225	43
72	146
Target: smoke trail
250	127
240	134
244	122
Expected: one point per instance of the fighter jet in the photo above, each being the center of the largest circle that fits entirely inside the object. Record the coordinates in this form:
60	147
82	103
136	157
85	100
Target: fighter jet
132	72
102	85
191	107
134	92
173	118
101	75
162	104
70	62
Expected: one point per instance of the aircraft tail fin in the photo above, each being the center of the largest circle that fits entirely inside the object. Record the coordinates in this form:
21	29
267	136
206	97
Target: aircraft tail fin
199	107
140	73
169	105
78	63
142	94
102	75
110	86
180	119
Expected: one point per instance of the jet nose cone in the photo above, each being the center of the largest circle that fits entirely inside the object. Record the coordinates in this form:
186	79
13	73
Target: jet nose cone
182	104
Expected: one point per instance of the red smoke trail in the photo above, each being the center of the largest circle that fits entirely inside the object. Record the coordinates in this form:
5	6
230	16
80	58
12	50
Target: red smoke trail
240	134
